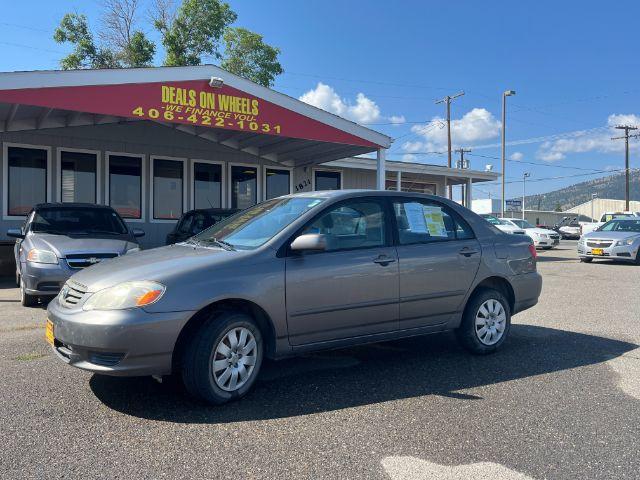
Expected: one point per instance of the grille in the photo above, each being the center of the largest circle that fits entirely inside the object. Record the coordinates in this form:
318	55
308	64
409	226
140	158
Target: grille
599	244
71	294
83	260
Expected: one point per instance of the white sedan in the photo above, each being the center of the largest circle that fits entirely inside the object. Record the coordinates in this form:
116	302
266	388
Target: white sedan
502	225
542	238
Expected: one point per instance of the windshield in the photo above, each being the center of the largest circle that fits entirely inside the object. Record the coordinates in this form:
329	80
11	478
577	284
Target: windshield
610	216
522	223
78	220
493	220
621	226
258	224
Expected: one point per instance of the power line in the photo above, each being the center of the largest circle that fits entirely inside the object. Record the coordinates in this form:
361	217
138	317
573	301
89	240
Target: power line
539	164
561	177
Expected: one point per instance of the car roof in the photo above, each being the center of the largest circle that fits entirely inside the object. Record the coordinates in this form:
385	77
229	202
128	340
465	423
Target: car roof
354	193
40	206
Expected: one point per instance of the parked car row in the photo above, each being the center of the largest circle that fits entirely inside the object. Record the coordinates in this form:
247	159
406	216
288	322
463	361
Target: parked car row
541	237
60	239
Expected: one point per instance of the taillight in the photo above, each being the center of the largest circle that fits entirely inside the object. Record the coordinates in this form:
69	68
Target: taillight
532	251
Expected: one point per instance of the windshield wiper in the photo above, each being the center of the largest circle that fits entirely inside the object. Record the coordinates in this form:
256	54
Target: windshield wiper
221	243
105	232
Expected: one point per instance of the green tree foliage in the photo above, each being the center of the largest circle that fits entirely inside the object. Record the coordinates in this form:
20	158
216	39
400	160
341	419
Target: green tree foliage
74	28
246	55
193	31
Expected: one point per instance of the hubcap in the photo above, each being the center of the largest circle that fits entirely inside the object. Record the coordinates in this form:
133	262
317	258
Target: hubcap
234	359
491	320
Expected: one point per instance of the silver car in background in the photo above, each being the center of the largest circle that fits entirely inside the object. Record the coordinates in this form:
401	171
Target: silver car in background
295	274
618	239
60	239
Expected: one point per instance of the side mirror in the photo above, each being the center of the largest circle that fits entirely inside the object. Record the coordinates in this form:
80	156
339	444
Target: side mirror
15	233
309	242
137	232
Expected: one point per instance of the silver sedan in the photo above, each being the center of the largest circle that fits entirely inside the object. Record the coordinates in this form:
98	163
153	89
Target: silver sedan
618	240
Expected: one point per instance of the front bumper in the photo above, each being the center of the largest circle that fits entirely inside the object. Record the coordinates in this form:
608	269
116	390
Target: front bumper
129	342
621	253
45	278
540	242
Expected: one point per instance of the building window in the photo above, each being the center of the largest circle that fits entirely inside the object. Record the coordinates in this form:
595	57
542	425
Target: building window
328	180
207	185
78	174
278	183
167	188
244	186
125	185
27	179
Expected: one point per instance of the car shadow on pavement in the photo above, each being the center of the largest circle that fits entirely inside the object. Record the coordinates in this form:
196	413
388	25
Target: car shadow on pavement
333	380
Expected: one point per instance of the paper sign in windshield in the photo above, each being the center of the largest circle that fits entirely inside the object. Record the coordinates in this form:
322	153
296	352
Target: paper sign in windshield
434	220
415	217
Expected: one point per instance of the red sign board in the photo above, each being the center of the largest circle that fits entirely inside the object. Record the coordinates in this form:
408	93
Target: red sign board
190	103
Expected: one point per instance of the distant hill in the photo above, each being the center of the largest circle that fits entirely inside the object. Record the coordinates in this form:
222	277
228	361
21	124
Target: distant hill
606	187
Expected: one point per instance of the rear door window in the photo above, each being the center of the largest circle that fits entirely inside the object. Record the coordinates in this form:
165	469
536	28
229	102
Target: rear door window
425	221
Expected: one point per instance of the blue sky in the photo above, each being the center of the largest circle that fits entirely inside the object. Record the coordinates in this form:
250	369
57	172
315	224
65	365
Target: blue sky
574	66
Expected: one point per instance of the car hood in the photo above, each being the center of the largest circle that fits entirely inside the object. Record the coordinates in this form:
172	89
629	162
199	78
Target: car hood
157	264
62	245
509	228
539	230
611	235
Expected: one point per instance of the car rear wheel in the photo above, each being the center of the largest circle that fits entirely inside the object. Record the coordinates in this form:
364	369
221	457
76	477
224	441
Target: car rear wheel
25	299
586	259
485	323
637	262
223	358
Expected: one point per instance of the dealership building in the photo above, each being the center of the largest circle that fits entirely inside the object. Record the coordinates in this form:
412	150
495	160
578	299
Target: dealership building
156	142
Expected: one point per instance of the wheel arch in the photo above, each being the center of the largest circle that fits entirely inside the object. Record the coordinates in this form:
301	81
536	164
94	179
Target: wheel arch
500	284
236	304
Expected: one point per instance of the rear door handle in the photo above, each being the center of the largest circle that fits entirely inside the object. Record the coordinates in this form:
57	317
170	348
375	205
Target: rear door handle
384	260
467	252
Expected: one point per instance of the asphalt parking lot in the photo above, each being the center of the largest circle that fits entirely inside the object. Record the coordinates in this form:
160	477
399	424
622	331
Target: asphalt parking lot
562	400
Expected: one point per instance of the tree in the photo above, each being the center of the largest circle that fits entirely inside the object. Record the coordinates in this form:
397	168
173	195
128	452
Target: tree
558	207
74	28
131	46
246	55
193	31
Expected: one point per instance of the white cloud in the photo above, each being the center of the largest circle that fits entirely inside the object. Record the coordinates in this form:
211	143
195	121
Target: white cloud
363	110
590	141
516	156
475	125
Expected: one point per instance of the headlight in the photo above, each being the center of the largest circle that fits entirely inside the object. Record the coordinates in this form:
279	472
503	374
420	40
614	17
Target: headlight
125	295
41	256
543	235
626	242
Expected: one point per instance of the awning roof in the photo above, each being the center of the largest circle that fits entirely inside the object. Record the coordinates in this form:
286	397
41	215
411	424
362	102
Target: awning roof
239	114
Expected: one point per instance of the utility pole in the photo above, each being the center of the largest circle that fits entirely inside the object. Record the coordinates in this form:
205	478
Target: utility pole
461	164
447	100
505	94
525	175
626	129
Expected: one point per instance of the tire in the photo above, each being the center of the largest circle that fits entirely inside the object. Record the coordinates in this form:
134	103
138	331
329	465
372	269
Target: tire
637	262
201	379
586	259
17	279
470	334
25	299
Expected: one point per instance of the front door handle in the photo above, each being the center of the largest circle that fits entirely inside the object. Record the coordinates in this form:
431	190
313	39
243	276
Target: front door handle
384	260
467	252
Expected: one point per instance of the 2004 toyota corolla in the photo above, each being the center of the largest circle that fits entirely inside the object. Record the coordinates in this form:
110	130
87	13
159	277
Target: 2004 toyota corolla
297	273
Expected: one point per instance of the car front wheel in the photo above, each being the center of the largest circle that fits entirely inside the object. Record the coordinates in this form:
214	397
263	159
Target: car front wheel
485	323
224	357
25	299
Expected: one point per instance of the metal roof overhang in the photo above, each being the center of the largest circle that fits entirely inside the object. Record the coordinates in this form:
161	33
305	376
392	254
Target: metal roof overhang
308	135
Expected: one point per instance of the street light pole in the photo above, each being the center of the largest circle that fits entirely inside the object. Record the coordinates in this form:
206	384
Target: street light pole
447	100
506	93
525	175
626	129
